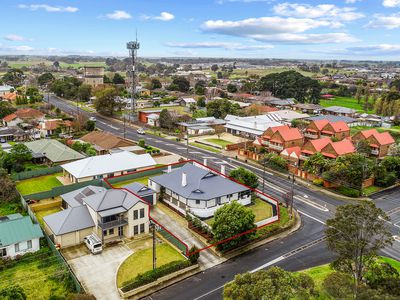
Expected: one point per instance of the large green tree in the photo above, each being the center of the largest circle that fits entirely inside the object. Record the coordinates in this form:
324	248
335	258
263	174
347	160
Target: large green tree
221	107
230	220
180	84
315	164
84	92
45	78
6	109
244	176
105	100
13	77
8	191
118	79
166	120
274	284
355	235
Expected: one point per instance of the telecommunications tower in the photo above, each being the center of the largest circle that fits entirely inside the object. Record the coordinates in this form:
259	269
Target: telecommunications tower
133	47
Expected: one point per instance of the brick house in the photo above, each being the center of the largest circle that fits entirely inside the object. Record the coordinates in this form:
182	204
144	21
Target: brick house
313	130
269	132
335	149
337	130
285	137
292	154
313	146
379	142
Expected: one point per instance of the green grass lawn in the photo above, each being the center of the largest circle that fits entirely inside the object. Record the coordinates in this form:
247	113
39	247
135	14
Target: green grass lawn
371	189
205	147
40	275
143	180
219	142
38	184
42	213
142	261
348	102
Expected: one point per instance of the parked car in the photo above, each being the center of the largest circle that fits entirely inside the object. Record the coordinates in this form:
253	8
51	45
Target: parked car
92	119
94	244
140	131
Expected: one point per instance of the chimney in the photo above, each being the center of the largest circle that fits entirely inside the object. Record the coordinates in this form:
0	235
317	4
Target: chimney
205	162
184	179
169	169
223	169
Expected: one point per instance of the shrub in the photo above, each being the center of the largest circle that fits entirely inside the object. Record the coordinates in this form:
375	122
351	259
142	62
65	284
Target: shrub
338	285
318	181
386	180
153	275
349	192
142	143
195	256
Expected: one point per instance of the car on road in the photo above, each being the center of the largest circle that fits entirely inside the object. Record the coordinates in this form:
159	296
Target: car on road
94	244
140	131
92	119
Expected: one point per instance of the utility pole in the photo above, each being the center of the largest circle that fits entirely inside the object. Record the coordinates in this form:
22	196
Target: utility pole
292	196
153	226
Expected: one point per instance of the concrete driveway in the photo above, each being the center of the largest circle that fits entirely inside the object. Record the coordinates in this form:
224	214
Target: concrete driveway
97	273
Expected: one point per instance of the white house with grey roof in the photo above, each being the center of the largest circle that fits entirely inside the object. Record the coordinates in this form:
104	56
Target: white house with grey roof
110	214
199	190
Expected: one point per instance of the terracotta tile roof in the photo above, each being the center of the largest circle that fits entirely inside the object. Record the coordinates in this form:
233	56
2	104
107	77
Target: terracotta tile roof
9	117
26	113
53	124
290	134
289	151
343	147
10	96
320	123
274	129
367	133
340	126
106	140
384	138
319	144
262	108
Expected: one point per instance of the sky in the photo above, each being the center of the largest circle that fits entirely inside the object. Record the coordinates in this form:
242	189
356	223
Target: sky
308	29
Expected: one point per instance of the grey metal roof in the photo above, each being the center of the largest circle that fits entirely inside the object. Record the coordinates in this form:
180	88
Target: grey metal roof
340	109
139	189
69	220
332	118
201	184
75	197
111	199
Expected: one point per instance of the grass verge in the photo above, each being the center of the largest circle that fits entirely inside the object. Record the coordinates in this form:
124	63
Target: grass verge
194	144
218	142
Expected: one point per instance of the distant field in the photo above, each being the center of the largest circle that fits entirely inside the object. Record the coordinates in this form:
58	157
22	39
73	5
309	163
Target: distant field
29	63
345	102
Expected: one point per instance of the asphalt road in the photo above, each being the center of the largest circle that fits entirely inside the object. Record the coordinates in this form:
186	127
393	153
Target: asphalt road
296	252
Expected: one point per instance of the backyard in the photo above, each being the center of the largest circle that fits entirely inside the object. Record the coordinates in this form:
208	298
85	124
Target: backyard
142	261
348	102
40	275
143	180
38	184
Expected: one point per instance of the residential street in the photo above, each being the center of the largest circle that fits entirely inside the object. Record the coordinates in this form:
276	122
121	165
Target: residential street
301	250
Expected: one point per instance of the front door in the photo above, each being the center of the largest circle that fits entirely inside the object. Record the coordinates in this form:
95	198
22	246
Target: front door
120	231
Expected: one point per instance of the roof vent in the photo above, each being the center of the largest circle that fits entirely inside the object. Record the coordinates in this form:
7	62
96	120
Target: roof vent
184	179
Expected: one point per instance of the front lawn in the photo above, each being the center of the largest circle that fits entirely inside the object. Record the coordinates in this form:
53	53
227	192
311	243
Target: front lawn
219	142
40	275
142	261
208	148
143	180
38	184
348	102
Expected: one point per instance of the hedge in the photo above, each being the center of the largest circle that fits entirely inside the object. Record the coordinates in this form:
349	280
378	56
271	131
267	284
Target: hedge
153	275
349	192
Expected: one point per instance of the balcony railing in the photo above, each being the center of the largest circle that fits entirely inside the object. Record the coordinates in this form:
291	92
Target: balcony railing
375	152
276	146
113	224
265	143
310	135
303	157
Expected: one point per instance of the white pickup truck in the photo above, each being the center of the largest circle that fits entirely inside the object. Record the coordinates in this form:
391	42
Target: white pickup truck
94	244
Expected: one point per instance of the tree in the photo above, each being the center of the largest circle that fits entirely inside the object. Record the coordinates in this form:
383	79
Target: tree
6	109
338	285
21	153
199	114
315	164
90	125
166	120
13	77
221	107
12	293
200	87
84	92
118	79
355	234
245	177
363	147
201	102
359	94
230	220
105	100
155	84
45	78
274	283
8	191
180	84
194	254
231	88
214	68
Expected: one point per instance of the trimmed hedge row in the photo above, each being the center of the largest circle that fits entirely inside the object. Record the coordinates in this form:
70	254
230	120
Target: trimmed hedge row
153	275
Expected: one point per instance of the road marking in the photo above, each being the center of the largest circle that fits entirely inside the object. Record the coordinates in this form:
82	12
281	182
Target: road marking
272	262
311	203
169	144
113	127
180	148
311	217
194	152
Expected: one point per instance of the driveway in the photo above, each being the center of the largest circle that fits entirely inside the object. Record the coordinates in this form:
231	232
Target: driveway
97	273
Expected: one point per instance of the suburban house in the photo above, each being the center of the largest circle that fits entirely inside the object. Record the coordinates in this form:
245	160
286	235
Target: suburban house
201	126
336	130
313	146
53	151
286	115
49	127
143	191
339	111
143	115
308	108
269	132
110	214
186	101
152	119
260	109
292	154
93	76
331	118
103	141
285	137
379	142
198	189
18	236
104	166
10	97
23	115
313	130
335	149
12	133
250	127
5	89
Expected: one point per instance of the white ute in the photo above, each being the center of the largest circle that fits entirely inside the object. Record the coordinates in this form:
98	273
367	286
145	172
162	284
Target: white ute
94	244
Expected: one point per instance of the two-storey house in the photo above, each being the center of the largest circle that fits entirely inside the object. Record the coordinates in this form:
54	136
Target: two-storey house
336	130
285	137
378	142
313	146
313	130
335	149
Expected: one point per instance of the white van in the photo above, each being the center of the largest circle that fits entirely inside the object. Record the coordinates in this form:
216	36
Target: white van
94	244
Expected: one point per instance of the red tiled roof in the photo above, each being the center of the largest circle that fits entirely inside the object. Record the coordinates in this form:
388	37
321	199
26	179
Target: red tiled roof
290	134
384	138
320	143
340	126
274	129
9	117
321	123
29	113
295	149
367	133
343	147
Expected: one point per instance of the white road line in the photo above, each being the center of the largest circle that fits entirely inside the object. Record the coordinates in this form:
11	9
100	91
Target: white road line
194	152
311	203
272	262
169	144
181	148
311	217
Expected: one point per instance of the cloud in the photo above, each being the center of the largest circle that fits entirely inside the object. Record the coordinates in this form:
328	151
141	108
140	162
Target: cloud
49	8
391	3
322	11
4	48
218	45
243	1
378	50
118	15
164	16
277	29
14	38
352	1
382	21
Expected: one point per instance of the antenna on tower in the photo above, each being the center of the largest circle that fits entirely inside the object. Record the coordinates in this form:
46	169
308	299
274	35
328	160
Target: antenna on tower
133	46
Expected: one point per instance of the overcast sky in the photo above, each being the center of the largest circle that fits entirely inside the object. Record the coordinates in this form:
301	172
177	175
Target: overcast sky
341	29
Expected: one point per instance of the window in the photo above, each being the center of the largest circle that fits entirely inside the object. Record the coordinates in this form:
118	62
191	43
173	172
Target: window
3	252
135	214
218	200
104	232
29	244
135	229
197	201
111	231
142	213
16	247
141	228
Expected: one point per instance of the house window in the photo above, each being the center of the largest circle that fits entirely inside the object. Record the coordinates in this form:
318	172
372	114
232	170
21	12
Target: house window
104	232
3	252
135	214
142	213
218	200
29	244
111	231
142	228
197	201
135	229
16	247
